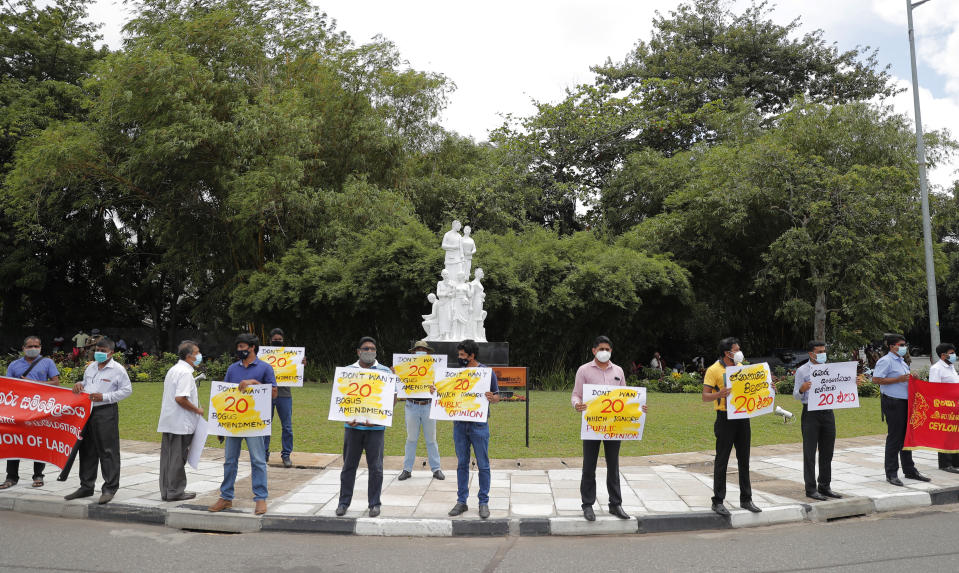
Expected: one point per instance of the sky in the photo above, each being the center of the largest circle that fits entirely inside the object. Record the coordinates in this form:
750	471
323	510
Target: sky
503	55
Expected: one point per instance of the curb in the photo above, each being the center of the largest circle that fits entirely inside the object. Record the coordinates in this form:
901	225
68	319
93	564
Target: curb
198	518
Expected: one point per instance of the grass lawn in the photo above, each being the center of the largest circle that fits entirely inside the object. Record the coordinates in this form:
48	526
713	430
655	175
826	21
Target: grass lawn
677	423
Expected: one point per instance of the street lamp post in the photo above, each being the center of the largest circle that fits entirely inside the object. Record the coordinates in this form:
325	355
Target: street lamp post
924	193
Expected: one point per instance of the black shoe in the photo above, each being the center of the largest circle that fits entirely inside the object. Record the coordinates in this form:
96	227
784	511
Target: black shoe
484	510
917	476
951	470
589	514
404	475
78	494
895	481
287	463
105	497
720	509
816	495
458	509
829	493
750	506
340	510
374	511
617	510
438	474
182	497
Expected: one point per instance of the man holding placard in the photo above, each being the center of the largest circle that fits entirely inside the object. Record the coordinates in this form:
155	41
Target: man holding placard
818	427
418	373
892	375
247	371
729	432
599	371
179	414
468	434
945	371
363	436
282	406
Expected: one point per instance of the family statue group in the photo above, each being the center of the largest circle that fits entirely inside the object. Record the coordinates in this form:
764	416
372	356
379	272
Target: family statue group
457	312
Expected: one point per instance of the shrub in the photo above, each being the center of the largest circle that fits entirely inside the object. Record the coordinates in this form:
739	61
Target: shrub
867	388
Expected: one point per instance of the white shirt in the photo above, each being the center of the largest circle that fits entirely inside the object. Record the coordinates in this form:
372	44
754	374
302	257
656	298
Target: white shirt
943	372
174	418
112	381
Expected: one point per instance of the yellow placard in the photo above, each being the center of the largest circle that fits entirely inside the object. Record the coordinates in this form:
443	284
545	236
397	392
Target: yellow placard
613	413
461	395
364	396
417	372
287	363
752	392
240	413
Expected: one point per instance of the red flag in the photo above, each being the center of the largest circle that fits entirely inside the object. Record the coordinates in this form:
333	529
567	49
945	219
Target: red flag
933	416
40	422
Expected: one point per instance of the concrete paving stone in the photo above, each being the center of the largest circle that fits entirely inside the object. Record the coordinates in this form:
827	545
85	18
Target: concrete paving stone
769	516
439	497
309	498
564	474
404	527
698	500
493	482
449	484
520	473
320	488
499	492
295	508
396	511
648	495
530	487
568	504
501	503
530	510
666	506
532	498
400	500
438	509
328	477
529	479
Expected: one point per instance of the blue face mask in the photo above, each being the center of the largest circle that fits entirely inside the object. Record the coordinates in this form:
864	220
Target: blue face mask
902	350
821	358
198	359
953	357
100	357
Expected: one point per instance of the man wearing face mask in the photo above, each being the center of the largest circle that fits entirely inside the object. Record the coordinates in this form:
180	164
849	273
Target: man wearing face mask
945	371
179	414
282	406
107	382
818	428
892	376
729	433
359	437
418	416
599	371
39	369
246	371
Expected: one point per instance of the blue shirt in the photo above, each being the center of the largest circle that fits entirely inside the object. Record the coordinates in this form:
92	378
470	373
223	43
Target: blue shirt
892	366
257	370
381	368
43	371
803	375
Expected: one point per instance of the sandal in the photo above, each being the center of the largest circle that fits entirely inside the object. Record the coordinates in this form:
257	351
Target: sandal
38	482
7	484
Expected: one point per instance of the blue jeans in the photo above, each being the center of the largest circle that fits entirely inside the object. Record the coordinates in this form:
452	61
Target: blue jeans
419	415
283	405
257	462
476	434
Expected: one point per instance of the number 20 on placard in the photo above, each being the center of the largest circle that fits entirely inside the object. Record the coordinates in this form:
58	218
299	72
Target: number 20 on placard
363	390
234	404
278	361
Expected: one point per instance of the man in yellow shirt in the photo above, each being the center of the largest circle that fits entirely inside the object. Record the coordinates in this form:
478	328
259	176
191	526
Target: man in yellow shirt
728	432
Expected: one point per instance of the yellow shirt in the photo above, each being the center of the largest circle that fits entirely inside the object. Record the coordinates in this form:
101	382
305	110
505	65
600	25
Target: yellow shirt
715	378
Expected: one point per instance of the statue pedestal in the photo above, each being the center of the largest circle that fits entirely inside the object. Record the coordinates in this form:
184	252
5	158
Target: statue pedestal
490	353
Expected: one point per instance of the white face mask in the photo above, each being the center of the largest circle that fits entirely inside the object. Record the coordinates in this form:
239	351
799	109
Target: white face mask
603	355
738	356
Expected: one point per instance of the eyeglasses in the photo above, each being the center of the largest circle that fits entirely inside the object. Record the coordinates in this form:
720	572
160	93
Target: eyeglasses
369	349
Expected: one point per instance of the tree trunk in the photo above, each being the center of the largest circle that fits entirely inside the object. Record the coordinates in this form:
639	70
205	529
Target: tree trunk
819	320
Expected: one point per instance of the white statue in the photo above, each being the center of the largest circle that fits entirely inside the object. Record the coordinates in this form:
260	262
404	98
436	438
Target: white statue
453	245
444	307
457	307
468	247
477	314
431	321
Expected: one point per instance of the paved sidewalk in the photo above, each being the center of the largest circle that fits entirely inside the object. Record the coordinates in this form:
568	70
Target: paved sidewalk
528	496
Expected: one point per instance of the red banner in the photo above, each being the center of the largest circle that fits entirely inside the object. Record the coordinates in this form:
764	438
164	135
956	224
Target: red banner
933	416
40	422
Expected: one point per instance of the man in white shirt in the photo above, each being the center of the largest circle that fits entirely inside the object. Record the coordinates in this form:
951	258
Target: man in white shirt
179	415
818	428
945	371
106	382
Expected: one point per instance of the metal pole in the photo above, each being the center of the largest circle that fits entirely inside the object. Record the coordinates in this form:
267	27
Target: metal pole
924	194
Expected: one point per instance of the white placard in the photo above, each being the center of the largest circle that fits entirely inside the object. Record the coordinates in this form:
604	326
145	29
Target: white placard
197	443
417	372
287	363
833	386
461	395
240	414
613	412
364	396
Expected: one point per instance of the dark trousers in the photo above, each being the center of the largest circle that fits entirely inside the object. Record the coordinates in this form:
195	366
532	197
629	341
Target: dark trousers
896	411
354	443
730	433
950	460
587	485
13	470
818	432
174	451
101	446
